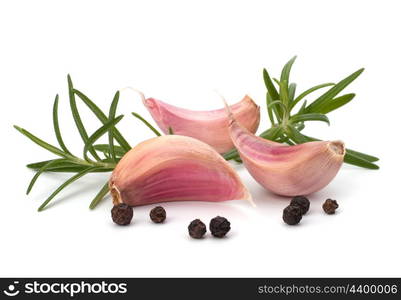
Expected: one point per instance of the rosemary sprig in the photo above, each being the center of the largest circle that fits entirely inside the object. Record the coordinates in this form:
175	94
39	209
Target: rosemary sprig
286	126
104	156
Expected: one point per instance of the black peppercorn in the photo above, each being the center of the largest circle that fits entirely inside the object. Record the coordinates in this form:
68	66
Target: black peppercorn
122	214
197	229
292	214
302	202
158	214
219	226
330	206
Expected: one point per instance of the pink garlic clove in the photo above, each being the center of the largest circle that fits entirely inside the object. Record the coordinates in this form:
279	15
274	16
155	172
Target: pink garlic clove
174	168
287	170
208	126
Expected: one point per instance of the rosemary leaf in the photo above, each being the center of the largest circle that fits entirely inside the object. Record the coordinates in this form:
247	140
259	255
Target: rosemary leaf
295	135
100	196
302	109
285	73
77	169
41	143
105	148
272	133
309	91
103	118
270	86
334	91
284	92
299	126
269	109
146	123
276	109
57	127
277	102
97	134
238	159
170	130
358	161
66	183
310	117
38	165
291	91
288	141
44	168
363	155
230	154
112	114
65	163
77	118
66	166
335	103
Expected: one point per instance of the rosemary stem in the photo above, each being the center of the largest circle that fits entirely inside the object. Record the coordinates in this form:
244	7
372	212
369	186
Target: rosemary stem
80	161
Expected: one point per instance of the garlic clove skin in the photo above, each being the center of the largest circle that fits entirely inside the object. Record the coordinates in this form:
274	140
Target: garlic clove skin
174	168
288	170
208	126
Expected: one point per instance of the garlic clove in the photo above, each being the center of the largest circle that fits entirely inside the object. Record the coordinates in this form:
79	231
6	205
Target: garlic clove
208	126
174	168
287	170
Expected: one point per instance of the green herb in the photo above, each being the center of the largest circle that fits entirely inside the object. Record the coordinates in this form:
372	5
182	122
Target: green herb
146	123
286	125
95	157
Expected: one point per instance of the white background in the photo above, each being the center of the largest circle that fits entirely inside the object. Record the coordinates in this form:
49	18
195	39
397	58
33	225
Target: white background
180	51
